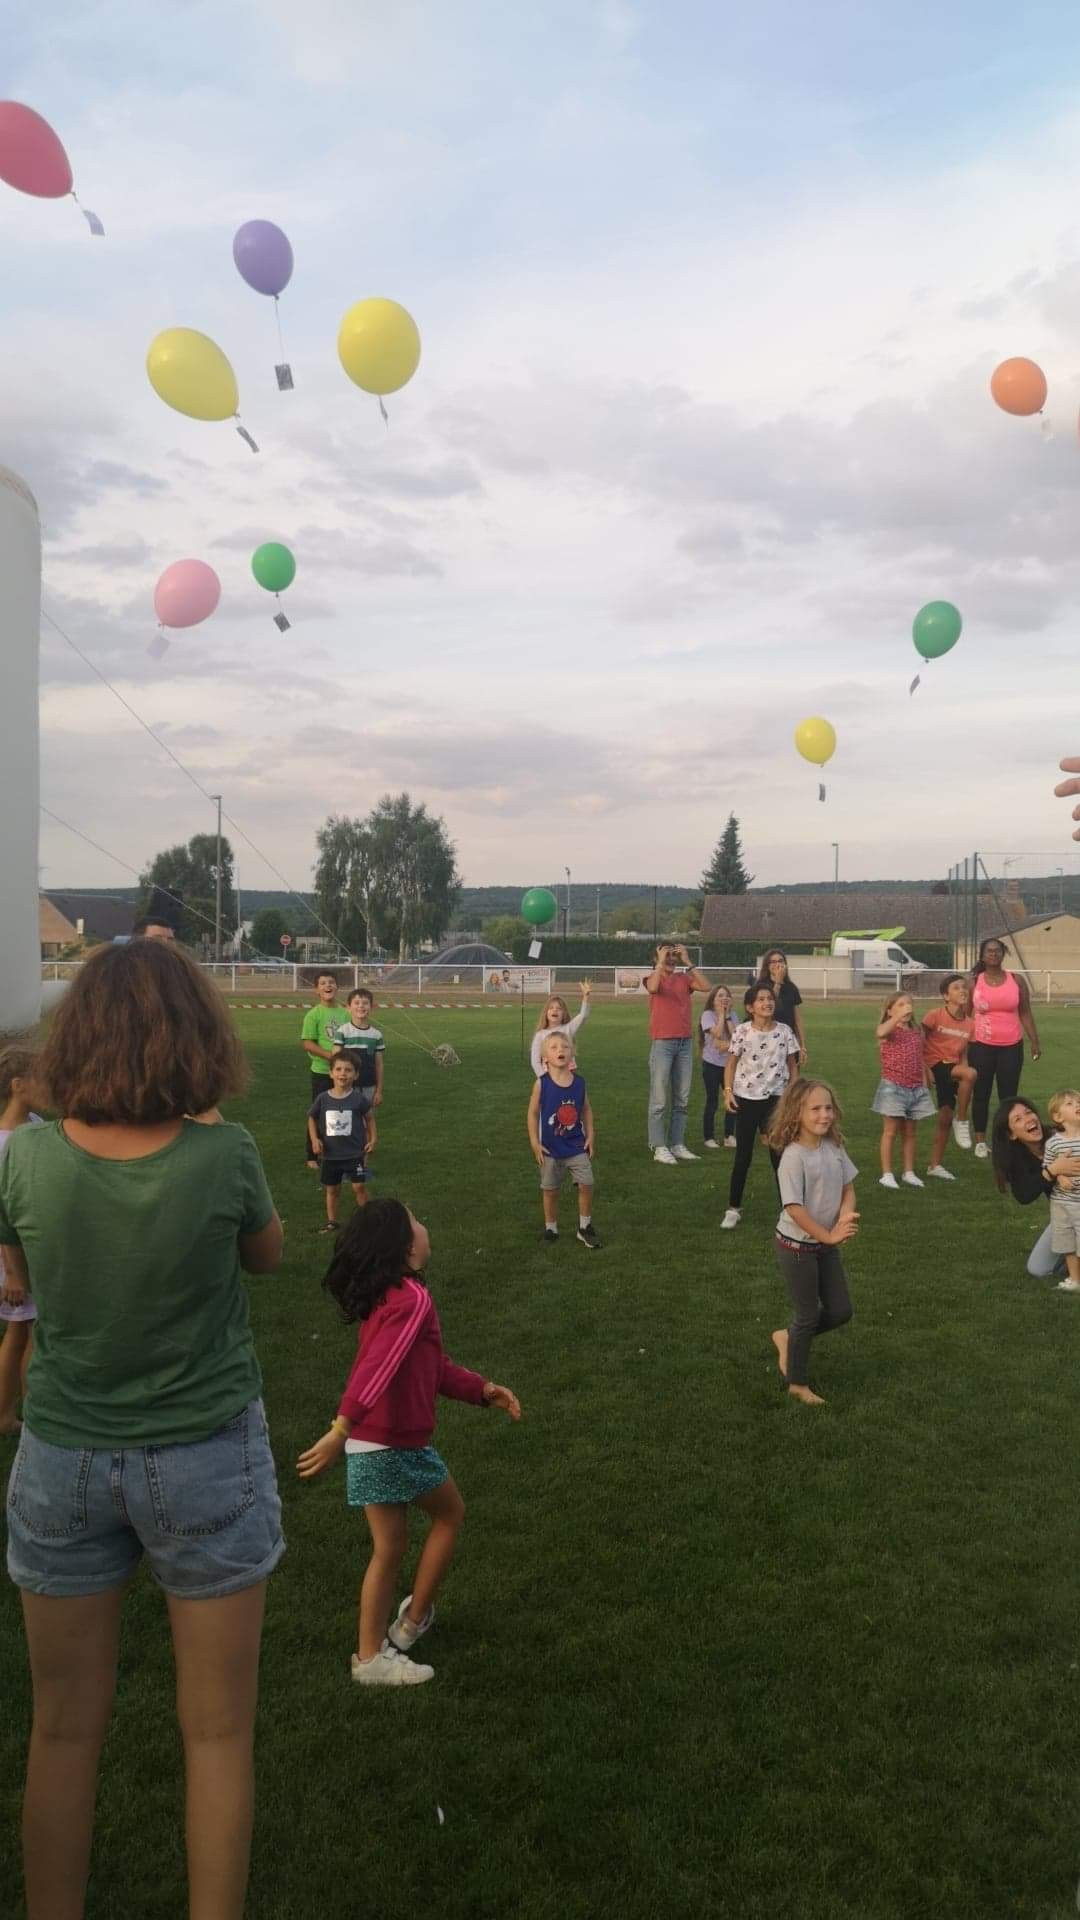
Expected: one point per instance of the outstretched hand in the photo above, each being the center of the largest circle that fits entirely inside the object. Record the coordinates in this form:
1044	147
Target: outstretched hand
1066	789
325	1453
496	1396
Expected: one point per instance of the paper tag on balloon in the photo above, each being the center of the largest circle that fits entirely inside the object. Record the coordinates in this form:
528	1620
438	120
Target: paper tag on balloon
158	646
281	623
535	949
91	219
915	683
821	793
245	435
383	411
284	377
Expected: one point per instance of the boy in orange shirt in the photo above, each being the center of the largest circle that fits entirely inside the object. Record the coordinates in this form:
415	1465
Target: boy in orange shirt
946	1032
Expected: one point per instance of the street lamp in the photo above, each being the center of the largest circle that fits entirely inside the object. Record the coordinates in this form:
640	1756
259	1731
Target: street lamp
1060	871
566	920
836	866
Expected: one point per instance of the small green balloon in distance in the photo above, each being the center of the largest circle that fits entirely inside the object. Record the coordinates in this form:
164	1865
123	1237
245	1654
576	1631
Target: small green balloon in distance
936	629
273	566
538	906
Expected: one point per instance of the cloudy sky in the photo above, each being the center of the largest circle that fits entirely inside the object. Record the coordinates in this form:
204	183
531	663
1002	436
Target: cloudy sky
709	297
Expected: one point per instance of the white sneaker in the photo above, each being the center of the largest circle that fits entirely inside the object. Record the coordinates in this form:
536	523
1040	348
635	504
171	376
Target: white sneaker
1068	1286
731	1217
405	1633
982	1151
939	1173
961	1133
911	1180
389	1668
683	1153
729	1142
665	1156
889	1180
713	1143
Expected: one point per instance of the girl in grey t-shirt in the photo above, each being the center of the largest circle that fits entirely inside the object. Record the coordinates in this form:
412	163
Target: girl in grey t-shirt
816	1180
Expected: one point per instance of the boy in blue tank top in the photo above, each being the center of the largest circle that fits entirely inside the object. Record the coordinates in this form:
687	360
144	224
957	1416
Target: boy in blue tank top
562	1136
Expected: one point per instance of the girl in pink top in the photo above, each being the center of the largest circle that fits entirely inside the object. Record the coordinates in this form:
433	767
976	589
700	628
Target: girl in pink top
384	1425
1001	1005
903	1094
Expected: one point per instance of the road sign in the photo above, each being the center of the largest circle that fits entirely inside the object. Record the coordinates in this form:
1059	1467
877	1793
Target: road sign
286	940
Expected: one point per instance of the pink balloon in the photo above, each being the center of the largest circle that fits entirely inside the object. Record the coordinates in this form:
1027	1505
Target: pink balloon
187	592
32	159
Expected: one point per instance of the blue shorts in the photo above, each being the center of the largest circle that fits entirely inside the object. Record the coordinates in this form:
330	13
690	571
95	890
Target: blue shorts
207	1514
902	1103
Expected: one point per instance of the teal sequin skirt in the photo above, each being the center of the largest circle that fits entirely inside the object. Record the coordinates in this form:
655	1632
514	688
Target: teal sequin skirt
394	1476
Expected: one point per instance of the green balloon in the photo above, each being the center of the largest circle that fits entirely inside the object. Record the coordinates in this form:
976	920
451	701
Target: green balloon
273	566
936	629
538	906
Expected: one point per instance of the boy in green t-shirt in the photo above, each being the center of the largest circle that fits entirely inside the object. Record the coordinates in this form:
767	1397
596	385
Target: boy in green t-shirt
318	1037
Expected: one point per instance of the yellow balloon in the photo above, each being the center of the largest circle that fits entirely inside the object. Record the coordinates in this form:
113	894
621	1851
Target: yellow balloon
191	373
816	740
379	345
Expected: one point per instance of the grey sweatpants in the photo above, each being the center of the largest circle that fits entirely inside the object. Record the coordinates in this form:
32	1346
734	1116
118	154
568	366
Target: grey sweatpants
816	1281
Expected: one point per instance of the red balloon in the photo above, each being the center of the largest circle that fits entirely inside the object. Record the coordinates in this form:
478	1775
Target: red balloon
32	159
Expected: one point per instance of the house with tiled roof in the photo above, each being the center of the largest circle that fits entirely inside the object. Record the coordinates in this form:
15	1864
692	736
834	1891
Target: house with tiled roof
787	919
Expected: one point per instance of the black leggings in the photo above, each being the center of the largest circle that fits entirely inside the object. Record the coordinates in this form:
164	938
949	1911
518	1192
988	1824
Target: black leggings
1005	1064
819	1299
752	1118
713	1077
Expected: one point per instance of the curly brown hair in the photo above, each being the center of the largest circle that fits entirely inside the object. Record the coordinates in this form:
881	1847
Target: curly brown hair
788	1116
141	1037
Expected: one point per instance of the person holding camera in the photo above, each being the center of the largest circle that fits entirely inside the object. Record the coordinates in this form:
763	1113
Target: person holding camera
671	986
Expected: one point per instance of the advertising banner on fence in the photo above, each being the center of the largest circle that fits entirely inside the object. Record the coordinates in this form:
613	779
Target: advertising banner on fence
517	980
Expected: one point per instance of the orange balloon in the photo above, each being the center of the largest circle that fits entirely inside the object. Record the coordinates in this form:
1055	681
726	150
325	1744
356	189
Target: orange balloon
1019	386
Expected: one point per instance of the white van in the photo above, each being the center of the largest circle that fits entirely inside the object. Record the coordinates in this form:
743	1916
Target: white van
877	960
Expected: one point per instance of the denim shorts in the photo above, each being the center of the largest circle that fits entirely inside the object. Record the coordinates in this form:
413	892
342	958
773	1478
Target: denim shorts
902	1103
206	1514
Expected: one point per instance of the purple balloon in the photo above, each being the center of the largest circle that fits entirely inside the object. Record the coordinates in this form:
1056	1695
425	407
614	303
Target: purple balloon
263	256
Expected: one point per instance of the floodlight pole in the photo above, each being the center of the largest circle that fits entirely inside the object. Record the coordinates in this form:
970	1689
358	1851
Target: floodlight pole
566	925
217	884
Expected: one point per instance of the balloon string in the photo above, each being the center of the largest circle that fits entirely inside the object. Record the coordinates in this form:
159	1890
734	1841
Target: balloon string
91	219
277	317
244	434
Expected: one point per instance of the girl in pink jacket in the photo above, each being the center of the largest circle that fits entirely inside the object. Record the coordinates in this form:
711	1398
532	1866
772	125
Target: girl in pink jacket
384	1425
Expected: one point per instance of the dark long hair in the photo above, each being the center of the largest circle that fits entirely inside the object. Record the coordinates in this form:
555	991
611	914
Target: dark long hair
372	1256
1006	1154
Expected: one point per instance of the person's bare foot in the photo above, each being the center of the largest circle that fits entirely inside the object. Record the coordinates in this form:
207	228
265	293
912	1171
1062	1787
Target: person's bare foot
808	1399
780	1342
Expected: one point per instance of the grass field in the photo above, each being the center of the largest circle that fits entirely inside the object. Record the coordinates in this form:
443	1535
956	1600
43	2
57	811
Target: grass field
704	1651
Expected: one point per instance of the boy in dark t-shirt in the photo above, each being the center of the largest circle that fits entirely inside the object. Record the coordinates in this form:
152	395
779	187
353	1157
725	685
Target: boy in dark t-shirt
338	1132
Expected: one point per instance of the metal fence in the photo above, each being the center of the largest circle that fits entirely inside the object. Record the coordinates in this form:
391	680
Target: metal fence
817	980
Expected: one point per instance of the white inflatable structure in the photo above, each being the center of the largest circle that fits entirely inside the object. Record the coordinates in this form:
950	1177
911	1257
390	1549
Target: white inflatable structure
20	598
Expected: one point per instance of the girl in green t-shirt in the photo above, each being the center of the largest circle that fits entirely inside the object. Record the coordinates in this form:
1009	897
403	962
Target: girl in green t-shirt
131	1218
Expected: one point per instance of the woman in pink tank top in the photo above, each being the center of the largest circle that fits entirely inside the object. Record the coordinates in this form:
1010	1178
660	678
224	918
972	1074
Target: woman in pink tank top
1001	1006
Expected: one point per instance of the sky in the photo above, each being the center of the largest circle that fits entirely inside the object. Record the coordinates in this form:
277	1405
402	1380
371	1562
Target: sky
709	299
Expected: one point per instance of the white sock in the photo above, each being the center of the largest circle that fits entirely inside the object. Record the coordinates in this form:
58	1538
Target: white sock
584	1220
551	1226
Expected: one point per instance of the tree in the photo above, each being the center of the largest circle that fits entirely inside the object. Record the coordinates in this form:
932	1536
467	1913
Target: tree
191	871
726	872
266	931
345	880
504	929
415	877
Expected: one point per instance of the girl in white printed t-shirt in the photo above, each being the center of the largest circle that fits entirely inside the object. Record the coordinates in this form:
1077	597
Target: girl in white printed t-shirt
764	1057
